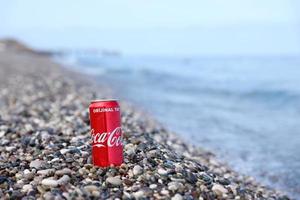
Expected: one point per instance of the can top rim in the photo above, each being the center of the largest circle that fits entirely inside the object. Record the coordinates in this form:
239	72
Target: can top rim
102	100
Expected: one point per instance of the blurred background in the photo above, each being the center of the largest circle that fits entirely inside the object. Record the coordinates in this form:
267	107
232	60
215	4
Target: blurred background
224	75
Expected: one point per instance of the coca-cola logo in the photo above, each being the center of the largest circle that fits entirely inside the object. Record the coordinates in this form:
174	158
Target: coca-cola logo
113	138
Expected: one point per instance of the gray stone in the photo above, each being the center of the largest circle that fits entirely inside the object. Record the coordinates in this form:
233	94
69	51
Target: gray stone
116	181
63	180
137	170
174	186
65	171
37	164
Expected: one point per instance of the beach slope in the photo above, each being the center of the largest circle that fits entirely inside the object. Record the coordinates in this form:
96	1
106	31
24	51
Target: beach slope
45	149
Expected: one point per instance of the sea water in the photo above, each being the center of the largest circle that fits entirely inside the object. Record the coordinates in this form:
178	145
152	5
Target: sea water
244	109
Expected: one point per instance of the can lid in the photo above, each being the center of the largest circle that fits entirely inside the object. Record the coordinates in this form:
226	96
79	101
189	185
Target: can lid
102	100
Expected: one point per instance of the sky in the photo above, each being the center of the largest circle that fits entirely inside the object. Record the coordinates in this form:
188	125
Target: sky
156	27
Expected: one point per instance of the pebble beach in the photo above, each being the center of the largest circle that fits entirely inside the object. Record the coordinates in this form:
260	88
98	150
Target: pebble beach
45	150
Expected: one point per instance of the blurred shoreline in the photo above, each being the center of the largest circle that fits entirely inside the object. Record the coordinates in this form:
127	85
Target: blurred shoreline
42	100
220	90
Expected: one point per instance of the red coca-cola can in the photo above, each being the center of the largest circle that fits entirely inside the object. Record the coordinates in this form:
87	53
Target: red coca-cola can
106	132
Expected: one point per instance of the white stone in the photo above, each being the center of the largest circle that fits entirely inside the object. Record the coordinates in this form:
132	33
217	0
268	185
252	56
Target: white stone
64	151
219	189
138	194
2	133
50	182
26	188
177	197
173	186
91	188
54	160
153	186
162	171
10	148
164	192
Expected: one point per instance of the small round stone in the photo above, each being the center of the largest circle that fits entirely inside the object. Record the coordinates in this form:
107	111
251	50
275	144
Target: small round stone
115	181
219	189
63	180
174	186
26	188
137	170
153	186
164	192
96	194
37	164
91	188
162	171
177	197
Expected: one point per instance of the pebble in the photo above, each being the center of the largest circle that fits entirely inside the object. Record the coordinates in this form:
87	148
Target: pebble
46	172
65	171
48	196
130	149
50	182
26	171
164	192
219	189
91	188
162	171
206	178
138	194
190	177
177	197
2	133
153	186
137	170
63	180
10	148
96	194
37	164
54	160
174	186
116	181
26	188
64	151
28	174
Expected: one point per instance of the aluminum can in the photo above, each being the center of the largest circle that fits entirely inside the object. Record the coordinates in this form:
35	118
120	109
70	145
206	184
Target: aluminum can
106	133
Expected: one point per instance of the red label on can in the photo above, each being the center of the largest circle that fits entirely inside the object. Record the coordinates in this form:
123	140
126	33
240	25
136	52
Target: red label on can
106	132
